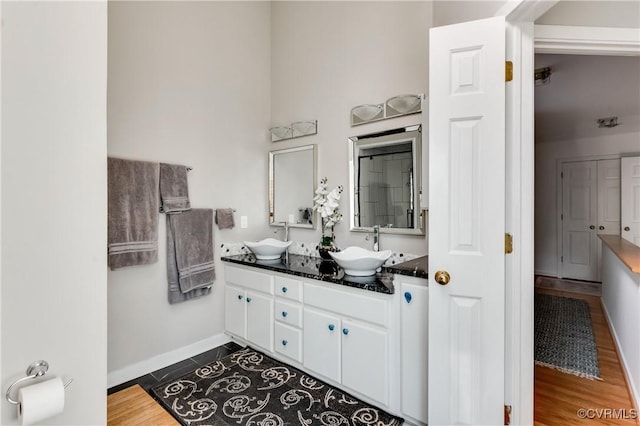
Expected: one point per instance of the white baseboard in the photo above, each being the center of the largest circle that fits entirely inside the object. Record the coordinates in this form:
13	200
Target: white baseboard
546	273
157	362
625	367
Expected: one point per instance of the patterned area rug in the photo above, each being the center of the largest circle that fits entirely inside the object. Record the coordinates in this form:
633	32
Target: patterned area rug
564	337
249	388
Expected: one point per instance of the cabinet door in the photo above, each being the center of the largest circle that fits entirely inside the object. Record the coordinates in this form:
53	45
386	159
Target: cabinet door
414	347
260	320
321	347
235	311
365	360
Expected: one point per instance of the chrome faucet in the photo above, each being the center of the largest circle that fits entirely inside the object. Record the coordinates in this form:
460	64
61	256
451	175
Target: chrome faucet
376	238
285	227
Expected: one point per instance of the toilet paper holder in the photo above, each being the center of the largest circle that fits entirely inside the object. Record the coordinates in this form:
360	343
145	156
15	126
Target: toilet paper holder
34	370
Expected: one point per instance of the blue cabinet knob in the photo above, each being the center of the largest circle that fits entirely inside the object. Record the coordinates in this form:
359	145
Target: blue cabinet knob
284	314
239	297
331	327
248	299
407	296
284	343
284	289
345	331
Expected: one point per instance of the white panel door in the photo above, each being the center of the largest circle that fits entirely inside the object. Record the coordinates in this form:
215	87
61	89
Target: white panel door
365	360
630	186
608	204
260	320
609	197
467	222
579	218
414	349
321	343
235	311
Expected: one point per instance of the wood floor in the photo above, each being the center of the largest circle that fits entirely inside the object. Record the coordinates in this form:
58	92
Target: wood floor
133	406
559	396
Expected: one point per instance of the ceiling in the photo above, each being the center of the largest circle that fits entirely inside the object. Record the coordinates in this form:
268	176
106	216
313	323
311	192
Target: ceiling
583	89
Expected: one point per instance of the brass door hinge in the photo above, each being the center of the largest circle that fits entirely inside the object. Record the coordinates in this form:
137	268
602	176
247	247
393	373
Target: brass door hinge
507	414
508	243
508	71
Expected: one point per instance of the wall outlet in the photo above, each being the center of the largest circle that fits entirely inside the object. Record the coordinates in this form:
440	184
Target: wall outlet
292	219
243	222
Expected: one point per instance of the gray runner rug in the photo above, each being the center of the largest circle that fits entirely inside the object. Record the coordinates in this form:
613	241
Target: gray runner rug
249	388
564	337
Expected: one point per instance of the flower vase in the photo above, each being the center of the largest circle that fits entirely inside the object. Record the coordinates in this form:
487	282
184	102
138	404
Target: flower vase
327	245
324	251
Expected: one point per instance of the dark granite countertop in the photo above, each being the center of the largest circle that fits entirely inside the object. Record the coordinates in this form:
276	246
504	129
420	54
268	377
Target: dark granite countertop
315	268
418	267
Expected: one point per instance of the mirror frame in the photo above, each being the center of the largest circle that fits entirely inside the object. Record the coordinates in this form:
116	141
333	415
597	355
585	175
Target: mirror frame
381	138
272	184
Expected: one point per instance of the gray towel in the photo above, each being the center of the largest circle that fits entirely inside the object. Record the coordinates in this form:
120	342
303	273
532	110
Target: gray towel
132	212
224	218
190	266
174	189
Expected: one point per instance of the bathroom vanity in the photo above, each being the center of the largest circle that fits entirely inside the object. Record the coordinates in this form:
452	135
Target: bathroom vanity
366	335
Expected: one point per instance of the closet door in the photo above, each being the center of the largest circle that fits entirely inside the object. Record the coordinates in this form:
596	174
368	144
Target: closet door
631	199
609	197
579	219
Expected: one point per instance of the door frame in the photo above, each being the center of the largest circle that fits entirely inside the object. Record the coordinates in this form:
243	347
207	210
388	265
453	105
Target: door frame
523	43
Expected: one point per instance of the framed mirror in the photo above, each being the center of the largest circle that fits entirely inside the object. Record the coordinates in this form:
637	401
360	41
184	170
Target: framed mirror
385	180
292	180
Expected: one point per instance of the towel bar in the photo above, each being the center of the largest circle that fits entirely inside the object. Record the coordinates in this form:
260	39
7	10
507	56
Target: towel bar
34	370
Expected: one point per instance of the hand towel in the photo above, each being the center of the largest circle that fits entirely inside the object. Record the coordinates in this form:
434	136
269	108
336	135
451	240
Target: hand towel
190	265
224	218
132	188
174	188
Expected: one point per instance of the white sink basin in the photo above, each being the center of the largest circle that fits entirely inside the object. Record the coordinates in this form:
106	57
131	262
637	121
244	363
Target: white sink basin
267	249
359	262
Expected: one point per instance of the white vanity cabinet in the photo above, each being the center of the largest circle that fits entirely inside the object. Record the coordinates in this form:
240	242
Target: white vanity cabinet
414	345
249	306
346	338
370	344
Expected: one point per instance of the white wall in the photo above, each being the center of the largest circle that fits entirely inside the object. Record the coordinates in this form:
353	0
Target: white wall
328	57
54	75
624	14
621	300
547	156
189	83
446	12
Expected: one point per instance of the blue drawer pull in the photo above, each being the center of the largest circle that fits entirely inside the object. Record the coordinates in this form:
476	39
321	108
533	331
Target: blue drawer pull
284	343
239	297
248	299
284	289
284	314
331	327
407	296
345	331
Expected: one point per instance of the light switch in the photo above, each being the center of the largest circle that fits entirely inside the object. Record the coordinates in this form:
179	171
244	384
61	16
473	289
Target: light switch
243	222
292	219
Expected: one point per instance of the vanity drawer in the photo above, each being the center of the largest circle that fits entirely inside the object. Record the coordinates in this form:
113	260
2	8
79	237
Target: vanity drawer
289	313
288	341
289	288
354	304
249	279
